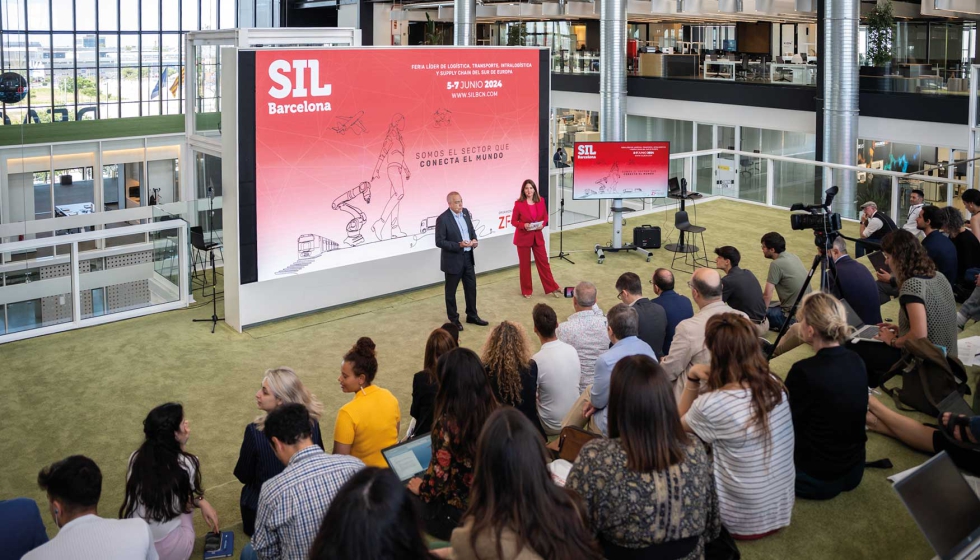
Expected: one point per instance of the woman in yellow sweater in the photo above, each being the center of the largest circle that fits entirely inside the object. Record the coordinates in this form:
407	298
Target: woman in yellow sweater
371	421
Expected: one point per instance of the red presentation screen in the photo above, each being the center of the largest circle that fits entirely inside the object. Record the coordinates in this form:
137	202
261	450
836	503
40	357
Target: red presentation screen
355	150
620	170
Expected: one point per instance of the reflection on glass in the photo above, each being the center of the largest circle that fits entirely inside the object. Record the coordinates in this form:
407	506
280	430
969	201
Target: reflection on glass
42	297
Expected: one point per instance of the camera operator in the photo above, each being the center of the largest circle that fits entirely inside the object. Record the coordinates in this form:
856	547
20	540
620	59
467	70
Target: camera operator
874	225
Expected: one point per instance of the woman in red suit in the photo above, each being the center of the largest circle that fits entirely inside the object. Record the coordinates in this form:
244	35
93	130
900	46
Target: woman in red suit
528	210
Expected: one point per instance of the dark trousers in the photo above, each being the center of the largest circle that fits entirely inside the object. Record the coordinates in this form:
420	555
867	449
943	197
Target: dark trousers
878	358
248	520
886	291
810	488
468	276
864	247
439	519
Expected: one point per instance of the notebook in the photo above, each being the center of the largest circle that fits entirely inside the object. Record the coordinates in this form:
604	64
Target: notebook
878	261
411	458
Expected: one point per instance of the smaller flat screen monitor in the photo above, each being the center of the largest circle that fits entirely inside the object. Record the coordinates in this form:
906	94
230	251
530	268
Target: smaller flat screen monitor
618	170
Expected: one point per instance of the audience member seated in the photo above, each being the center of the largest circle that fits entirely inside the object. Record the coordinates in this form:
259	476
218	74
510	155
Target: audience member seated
786	278
672	509
23	529
962	447
372	517
558	371
516	511
463	404
425	384
971	201
740	288
739	408
828	396
927	306
453	331
677	307
293	503
916	204
853	283
585	331
940	249
967	251
590	410
970	308
652	317
74	486
873	227
256	461
689	348
163	484
372	421
512	373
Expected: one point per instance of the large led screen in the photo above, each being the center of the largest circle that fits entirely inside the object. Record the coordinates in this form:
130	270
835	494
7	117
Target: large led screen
620	170
356	149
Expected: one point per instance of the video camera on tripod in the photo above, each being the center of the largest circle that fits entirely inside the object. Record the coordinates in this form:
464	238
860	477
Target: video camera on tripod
825	224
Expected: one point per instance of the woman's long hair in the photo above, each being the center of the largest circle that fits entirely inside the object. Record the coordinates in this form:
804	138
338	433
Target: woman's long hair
439	342
908	256
505	354
535	198
643	415
372	517
157	480
287	387
464	400
512	490
736	357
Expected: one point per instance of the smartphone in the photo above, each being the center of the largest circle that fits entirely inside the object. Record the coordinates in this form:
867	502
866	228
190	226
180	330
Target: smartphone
570	291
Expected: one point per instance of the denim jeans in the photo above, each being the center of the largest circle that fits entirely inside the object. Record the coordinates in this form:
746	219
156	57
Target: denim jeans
248	553
971	307
776	318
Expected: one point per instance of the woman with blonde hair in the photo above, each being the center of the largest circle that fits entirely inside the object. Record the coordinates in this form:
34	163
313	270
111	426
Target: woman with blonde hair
828	397
739	408
256	461
513	374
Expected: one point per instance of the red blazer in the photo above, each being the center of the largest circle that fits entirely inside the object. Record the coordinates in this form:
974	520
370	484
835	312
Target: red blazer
525	214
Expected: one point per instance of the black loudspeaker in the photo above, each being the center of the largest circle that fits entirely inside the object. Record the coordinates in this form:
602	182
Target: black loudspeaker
646	237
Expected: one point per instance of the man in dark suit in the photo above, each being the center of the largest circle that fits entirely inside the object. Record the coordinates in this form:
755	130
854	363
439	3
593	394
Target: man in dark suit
677	307
854	283
457	239
652	317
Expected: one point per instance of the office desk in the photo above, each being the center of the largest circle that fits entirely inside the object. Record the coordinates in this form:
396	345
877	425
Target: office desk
66	210
723	70
801	74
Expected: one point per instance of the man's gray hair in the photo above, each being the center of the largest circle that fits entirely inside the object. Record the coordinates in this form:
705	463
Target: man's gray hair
841	245
585	294
450	195
623	321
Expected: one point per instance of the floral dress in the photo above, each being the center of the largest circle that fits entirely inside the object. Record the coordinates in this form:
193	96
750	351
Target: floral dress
450	473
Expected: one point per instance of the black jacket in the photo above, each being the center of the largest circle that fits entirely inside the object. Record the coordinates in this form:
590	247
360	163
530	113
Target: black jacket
448	239
653	324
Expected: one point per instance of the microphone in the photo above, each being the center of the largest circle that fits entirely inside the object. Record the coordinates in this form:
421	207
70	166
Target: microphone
797	206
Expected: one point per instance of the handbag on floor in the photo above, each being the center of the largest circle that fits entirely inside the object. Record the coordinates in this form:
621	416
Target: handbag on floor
929	376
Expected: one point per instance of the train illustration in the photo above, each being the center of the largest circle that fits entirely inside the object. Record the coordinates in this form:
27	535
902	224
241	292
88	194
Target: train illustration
311	246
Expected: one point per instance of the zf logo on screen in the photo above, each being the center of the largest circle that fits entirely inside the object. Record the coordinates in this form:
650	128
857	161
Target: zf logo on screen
586	151
280	71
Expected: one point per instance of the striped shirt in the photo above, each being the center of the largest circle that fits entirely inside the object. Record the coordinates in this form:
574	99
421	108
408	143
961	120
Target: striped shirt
755	483
292	504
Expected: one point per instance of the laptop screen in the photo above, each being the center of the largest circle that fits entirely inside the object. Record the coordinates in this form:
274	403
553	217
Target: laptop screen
410	458
852	317
943	505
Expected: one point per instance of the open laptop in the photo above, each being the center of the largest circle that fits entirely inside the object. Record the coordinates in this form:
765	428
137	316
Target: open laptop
410	458
944	507
861	331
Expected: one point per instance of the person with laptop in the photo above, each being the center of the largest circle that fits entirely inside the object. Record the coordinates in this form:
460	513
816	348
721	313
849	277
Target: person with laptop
927	307
463	404
828	396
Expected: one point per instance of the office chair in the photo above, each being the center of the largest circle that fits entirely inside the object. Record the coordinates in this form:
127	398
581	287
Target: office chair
683	224
200	247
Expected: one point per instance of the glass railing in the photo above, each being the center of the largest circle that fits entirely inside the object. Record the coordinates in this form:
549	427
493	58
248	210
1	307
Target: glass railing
81	288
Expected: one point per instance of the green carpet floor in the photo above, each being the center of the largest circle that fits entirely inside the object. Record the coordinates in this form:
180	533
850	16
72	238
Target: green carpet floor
88	391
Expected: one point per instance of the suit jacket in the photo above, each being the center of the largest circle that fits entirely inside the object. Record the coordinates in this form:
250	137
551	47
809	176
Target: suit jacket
521	215
453	258
688	346
856	284
653	324
678	308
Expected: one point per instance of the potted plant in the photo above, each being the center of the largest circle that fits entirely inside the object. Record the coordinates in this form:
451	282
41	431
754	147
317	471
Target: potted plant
881	22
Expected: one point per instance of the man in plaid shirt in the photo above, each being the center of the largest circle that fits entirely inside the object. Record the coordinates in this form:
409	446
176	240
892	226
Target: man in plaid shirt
292	504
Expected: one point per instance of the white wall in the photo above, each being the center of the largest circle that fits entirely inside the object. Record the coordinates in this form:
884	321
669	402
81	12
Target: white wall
21	187
348	16
160	175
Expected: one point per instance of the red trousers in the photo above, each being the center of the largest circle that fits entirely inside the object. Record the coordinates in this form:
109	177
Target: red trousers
544	269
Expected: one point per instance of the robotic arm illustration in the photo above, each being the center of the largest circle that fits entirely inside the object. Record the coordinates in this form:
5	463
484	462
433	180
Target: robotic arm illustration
358	217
